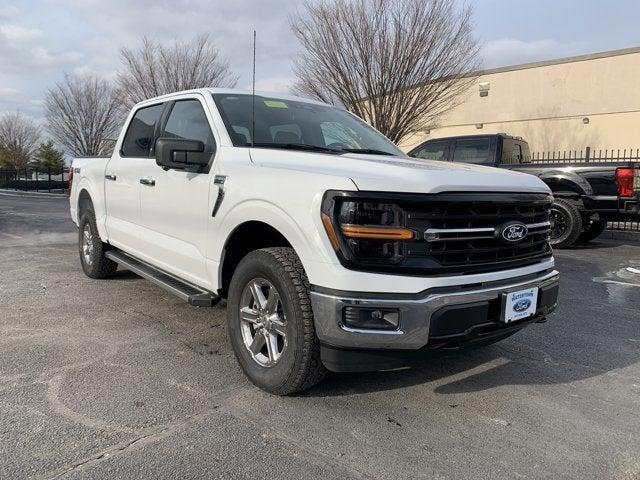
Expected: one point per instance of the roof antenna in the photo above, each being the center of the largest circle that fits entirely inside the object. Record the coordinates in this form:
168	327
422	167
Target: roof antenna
253	94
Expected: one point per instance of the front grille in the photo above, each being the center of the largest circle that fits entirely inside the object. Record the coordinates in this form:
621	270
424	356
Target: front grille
462	231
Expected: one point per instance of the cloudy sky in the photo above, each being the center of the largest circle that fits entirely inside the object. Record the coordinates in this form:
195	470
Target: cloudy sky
41	39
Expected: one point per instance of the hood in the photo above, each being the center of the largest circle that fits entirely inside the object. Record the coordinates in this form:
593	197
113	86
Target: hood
400	174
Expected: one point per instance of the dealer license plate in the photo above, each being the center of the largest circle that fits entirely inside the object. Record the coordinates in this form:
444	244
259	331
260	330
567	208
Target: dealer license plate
519	305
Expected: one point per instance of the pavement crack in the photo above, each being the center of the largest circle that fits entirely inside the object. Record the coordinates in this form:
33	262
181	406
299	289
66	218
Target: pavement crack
148	436
115	450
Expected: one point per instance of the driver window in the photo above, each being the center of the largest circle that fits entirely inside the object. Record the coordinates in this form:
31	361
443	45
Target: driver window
187	120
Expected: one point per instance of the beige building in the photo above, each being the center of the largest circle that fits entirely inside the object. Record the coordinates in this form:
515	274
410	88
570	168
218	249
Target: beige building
565	104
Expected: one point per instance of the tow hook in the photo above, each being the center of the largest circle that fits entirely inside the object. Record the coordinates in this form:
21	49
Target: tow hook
542	320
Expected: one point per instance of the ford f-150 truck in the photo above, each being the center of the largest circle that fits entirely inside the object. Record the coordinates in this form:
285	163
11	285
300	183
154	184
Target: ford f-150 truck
587	195
334	250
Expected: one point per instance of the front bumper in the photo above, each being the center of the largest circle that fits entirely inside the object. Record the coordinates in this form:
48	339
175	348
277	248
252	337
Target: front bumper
436	318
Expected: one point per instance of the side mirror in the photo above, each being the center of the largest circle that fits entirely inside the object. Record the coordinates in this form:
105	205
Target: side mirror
181	154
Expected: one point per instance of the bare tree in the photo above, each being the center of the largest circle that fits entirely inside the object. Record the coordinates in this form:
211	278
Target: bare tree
82	115
155	69
19	137
399	64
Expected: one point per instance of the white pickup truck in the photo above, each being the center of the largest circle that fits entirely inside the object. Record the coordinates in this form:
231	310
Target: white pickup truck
334	250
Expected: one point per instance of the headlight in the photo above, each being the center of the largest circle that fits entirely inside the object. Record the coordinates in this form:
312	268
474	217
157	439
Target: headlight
365	231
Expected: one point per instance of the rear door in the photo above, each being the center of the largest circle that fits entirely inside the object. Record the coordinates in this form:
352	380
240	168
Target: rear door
175	204
122	179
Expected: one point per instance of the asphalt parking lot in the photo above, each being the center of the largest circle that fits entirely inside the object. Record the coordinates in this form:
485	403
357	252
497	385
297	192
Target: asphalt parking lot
118	379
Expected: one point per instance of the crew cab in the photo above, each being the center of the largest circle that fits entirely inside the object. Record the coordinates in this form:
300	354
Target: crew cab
587	195
334	250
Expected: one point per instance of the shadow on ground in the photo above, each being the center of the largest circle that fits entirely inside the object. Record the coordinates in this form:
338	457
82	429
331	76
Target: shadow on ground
570	347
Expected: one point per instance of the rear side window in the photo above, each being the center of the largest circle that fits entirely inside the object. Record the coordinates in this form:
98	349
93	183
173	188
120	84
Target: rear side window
514	152
432	151
472	150
139	137
188	121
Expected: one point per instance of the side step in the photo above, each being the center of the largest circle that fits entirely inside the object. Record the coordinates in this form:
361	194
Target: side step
196	296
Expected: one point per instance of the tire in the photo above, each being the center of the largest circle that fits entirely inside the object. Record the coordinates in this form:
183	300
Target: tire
91	249
566	223
290	363
592	231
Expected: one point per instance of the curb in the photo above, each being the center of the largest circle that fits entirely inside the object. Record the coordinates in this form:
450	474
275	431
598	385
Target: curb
22	193
621	235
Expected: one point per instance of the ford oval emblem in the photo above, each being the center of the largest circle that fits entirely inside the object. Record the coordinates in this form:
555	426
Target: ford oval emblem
514	232
521	305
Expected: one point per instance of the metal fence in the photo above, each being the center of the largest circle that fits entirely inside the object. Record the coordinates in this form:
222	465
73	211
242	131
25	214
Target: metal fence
624	226
37	180
588	155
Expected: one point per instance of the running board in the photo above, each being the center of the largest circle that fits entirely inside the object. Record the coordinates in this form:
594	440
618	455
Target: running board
188	292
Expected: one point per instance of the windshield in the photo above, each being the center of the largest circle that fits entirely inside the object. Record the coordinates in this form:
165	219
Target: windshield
291	124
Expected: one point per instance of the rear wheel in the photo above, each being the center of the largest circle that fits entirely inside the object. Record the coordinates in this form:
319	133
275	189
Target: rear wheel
271	324
593	231
92	258
566	223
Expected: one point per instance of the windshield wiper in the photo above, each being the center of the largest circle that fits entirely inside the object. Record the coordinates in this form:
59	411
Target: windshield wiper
372	151
296	146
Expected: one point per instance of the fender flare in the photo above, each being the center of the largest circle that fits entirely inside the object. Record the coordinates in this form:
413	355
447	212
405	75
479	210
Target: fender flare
558	180
98	207
310	246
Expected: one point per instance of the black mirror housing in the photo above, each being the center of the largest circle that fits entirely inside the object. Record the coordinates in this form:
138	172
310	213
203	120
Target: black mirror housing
181	154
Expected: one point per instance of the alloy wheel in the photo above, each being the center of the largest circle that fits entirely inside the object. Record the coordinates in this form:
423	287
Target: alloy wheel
262	322
87	244
559	224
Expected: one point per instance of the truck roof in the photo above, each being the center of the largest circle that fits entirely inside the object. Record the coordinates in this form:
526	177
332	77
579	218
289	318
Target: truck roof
481	135
209	91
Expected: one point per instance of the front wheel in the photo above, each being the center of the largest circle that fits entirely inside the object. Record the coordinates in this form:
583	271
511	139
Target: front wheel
270	322
566	223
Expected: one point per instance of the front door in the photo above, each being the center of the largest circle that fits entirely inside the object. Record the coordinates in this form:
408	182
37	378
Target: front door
174	204
122	180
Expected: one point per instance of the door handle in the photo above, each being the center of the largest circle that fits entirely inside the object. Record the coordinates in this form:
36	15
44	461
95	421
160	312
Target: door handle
151	182
110	177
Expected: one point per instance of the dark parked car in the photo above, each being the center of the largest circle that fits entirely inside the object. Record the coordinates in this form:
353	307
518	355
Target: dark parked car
587	195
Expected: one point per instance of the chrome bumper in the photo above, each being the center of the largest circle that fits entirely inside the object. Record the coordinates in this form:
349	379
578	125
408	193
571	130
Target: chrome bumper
416	311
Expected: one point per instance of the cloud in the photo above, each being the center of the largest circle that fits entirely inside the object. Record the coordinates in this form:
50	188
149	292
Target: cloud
39	44
23	50
7	12
273	84
16	33
229	24
8	94
511	51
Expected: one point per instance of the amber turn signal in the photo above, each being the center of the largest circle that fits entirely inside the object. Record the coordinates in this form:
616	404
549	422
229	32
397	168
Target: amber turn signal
377	233
331	233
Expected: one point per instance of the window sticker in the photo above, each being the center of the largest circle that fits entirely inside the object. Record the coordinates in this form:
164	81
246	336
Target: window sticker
275	104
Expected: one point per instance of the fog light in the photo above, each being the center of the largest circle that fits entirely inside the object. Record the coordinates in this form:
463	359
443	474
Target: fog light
371	318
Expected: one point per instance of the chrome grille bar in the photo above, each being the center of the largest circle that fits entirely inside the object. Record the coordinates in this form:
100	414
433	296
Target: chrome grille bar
435	234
